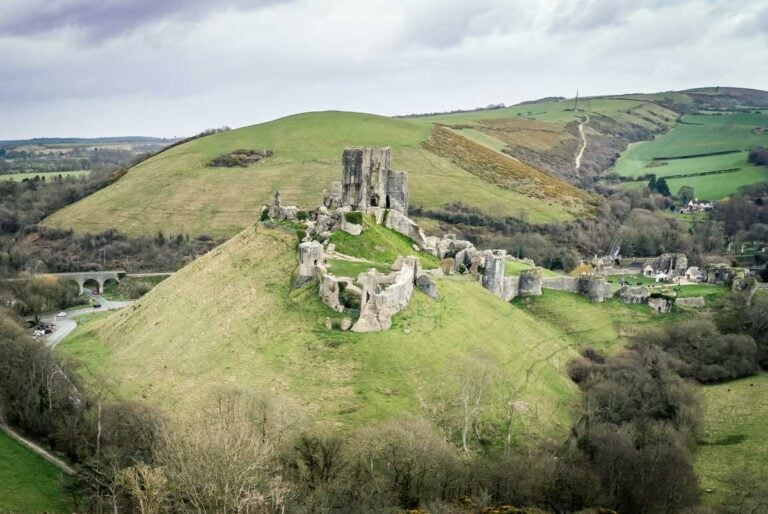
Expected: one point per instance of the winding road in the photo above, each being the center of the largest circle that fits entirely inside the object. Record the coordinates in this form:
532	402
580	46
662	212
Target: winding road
64	325
583	143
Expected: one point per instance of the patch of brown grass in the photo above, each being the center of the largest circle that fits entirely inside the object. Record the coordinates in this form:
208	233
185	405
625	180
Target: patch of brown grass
503	171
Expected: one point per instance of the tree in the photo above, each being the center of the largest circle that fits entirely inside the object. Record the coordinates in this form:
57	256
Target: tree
652	184
685	193
662	187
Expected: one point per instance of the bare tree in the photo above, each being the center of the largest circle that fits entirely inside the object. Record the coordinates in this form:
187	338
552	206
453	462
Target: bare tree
473	385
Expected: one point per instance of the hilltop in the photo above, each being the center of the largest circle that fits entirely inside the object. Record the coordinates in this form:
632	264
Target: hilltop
178	193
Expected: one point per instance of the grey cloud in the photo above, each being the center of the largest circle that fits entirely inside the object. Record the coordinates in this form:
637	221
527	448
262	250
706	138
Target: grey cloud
446	24
594	14
99	21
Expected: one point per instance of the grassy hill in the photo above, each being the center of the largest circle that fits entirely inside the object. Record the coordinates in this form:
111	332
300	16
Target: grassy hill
732	458
28	483
176	192
545	135
232	317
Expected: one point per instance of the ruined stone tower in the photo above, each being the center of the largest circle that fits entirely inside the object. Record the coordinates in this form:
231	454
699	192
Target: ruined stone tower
368	181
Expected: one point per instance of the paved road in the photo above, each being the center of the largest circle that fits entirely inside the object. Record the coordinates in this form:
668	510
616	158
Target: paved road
65	324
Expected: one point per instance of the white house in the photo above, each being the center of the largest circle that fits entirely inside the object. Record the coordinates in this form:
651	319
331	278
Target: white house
648	271
662	277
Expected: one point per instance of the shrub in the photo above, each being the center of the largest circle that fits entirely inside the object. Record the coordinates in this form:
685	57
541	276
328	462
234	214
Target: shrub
301	215
264	215
301	234
354	217
701	352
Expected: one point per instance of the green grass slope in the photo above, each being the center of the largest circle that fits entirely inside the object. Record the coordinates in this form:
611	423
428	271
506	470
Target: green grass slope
176	192
27	482
732	458
231	317
691	154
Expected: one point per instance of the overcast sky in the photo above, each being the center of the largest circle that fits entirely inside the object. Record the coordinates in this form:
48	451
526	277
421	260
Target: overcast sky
176	67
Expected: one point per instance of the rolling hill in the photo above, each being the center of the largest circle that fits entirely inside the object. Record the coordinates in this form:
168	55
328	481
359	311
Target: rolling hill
231	317
517	161
177	193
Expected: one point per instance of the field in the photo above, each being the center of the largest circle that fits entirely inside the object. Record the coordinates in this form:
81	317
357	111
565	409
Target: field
176	192
723	140
732	458
18	177
27	482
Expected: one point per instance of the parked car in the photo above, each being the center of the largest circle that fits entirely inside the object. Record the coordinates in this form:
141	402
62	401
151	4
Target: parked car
96	305
61	314
38	333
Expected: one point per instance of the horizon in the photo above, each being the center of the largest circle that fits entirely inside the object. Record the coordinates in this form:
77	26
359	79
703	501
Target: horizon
82	68
400	115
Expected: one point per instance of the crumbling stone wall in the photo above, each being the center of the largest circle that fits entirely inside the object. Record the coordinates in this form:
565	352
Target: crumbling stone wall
403	224
332	197
696	302
722	274
397	192
673	264
568	284
530	282
385	295
330	290
311	257
629	294
660	304
280	212
595	288
493	271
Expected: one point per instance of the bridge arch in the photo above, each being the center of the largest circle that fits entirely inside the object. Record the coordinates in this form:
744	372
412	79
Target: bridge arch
99	277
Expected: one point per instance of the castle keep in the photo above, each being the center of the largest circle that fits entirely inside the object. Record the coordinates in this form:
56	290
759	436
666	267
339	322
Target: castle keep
368	181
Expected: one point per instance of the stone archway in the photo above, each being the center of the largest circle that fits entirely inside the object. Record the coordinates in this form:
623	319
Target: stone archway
91	283
108	281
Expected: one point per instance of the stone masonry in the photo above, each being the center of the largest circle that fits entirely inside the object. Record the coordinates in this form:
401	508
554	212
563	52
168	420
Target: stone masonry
368	181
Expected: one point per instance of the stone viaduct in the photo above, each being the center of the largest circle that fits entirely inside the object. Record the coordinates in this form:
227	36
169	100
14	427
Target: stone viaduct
100	277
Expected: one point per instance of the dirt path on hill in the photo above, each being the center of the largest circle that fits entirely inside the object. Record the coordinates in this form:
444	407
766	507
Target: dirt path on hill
583	144
66	468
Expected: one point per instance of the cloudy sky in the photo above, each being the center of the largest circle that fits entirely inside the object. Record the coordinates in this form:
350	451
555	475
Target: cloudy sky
176	67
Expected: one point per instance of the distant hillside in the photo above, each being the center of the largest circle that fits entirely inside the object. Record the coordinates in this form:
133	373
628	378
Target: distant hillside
177	192
518	161
76	141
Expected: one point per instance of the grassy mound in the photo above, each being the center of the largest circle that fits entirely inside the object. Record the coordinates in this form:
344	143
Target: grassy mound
27	482
232	317
177	192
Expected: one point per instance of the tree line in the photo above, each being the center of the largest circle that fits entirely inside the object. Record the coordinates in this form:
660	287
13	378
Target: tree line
252	450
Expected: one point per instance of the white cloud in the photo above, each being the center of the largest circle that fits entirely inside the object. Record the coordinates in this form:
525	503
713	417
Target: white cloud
180	71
